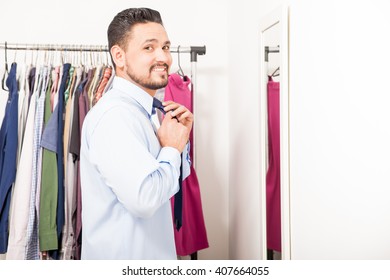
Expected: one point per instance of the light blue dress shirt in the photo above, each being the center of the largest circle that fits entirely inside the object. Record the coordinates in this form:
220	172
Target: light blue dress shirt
127	179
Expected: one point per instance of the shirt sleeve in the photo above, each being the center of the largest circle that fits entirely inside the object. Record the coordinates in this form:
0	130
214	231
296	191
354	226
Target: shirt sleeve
122	149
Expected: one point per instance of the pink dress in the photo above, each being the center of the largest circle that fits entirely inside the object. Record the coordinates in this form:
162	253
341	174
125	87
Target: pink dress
273	173
192	235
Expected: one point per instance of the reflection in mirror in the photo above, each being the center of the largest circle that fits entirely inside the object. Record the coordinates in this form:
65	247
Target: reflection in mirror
274	135
272	63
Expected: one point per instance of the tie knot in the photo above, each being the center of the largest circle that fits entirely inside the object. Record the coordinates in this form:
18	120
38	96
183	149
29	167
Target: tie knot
157	104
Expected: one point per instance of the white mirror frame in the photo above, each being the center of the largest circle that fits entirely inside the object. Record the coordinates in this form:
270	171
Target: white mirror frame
278	16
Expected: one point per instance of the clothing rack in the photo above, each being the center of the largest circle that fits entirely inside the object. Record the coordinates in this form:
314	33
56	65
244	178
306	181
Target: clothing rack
268	50
194	51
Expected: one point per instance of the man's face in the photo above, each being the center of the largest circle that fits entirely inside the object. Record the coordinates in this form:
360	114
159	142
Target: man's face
148	58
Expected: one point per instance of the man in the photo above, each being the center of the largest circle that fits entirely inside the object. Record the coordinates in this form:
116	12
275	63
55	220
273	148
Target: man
128	171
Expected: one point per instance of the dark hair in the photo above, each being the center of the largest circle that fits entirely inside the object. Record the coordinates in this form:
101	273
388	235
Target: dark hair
120	27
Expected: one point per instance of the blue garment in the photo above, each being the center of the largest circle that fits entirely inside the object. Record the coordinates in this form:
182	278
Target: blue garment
8	153
50	133
127	179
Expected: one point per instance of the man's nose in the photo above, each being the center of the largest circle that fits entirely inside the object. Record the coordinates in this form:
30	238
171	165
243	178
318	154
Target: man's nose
163	55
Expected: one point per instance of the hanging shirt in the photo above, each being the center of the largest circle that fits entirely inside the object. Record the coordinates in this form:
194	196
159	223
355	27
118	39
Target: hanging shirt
109	82
49	178
127	179
70	165
26	177
32	251
8	155
274	239
83	108
94	83
56	87
103	83
21	191
3	103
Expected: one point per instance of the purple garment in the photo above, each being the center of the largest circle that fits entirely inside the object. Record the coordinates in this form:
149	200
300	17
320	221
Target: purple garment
192	235
83	110
273	173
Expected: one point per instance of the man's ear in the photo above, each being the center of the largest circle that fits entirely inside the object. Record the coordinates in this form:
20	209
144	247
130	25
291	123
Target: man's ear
118	55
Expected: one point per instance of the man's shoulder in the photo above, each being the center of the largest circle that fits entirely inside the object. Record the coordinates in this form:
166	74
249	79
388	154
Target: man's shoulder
113	105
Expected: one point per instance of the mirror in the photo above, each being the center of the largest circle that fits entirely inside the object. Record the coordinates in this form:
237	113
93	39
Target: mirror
274	134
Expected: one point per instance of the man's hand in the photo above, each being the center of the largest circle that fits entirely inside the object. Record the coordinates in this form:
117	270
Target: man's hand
182	114
176	127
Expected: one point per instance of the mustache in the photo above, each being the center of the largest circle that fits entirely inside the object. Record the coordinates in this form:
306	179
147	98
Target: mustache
159	65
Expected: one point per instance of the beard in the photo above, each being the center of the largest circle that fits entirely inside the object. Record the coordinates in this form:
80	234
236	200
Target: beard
148	82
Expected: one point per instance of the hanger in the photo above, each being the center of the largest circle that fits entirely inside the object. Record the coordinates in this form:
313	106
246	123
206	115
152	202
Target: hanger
80	57
62	55
51	57
180	71
276	72
32	57
71	58
15	54
6	68
36	58
91	62
97	58
25	56
101	58
46	58
106	55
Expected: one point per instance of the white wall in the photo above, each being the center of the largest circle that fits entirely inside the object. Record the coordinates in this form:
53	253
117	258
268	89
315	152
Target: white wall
340	179
188	23
339	124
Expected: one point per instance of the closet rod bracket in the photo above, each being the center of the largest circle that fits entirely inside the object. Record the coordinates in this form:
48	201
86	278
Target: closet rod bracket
195	51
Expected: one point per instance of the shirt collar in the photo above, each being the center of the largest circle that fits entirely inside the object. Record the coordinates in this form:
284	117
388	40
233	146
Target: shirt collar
134	92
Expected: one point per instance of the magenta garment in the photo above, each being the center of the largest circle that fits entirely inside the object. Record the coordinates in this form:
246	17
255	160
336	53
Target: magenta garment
192	235
273	173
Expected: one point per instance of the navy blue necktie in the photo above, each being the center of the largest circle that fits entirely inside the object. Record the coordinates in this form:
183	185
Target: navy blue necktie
177	208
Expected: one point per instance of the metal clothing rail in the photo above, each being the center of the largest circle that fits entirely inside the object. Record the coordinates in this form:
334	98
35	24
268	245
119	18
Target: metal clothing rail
194	50
268	50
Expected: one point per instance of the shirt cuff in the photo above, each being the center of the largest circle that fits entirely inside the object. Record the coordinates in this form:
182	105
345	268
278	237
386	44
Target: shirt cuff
170	155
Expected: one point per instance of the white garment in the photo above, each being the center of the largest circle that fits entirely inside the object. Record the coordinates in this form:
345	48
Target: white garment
24	92
20	199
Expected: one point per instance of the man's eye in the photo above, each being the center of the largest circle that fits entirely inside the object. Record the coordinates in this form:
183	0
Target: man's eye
148	48
166	48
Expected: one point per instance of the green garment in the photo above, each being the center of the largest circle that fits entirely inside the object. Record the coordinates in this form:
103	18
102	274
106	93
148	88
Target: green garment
49	188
